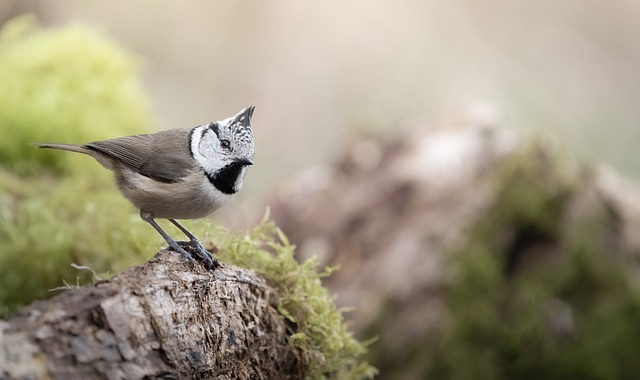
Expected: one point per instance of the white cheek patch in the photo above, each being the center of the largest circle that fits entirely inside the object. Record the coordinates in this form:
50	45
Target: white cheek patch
210	163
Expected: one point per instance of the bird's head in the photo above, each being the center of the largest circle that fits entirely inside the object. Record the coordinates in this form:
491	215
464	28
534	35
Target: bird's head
224	149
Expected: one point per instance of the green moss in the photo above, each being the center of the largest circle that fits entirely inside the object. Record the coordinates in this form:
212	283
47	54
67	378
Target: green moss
330	350
567	314
45	225
66	84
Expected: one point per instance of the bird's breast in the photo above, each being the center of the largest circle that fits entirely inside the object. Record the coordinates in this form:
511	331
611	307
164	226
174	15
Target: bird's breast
191	198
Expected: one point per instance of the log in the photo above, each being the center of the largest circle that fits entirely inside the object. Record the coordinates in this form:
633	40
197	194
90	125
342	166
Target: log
167	319
388	210
443	235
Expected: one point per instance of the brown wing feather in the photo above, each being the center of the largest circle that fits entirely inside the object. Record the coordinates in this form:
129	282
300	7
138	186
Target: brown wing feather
163	156
133	151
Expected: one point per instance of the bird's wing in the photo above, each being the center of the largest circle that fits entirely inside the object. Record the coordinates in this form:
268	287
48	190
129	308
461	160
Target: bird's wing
162	156
132	151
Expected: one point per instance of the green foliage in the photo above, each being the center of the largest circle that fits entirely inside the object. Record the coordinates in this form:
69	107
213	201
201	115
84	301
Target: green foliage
571	315
62	85
330	350
65	84
45	225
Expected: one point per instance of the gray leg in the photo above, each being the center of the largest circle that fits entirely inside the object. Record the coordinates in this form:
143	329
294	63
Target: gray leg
206	257
148	217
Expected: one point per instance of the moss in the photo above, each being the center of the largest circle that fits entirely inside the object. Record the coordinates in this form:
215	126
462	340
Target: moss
329	349
66	84
43	232
568	313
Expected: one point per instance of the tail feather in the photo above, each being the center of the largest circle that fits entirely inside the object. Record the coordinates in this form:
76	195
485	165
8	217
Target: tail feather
69	147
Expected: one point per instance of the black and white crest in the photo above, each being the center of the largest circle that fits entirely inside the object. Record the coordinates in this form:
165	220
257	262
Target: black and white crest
240	127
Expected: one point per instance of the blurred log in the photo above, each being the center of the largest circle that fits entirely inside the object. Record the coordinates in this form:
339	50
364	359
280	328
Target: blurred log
386	212
167	319
391	212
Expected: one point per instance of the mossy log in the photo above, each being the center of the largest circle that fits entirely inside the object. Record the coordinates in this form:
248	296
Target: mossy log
166	319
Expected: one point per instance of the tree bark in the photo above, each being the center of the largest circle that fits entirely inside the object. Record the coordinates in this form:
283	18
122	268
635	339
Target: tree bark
167	319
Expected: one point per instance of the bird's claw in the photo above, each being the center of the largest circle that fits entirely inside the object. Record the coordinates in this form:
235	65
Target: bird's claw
207	258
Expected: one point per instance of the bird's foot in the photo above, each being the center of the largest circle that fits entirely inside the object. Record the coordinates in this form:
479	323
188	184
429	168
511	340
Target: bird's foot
207	258
178	248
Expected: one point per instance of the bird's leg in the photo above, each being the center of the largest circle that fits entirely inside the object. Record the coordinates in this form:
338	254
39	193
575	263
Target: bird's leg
148	217
208	259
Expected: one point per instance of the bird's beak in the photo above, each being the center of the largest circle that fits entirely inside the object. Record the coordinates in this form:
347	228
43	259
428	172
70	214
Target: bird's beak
244	161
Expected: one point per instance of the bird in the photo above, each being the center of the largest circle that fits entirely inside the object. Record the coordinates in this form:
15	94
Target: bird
182	173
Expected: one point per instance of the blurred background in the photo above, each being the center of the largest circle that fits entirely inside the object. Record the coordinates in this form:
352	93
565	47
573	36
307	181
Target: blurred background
320	73
316	70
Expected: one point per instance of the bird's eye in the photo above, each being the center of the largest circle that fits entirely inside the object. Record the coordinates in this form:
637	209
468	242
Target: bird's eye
225	144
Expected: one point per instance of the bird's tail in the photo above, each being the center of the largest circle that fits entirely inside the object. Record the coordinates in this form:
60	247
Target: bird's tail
69	147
